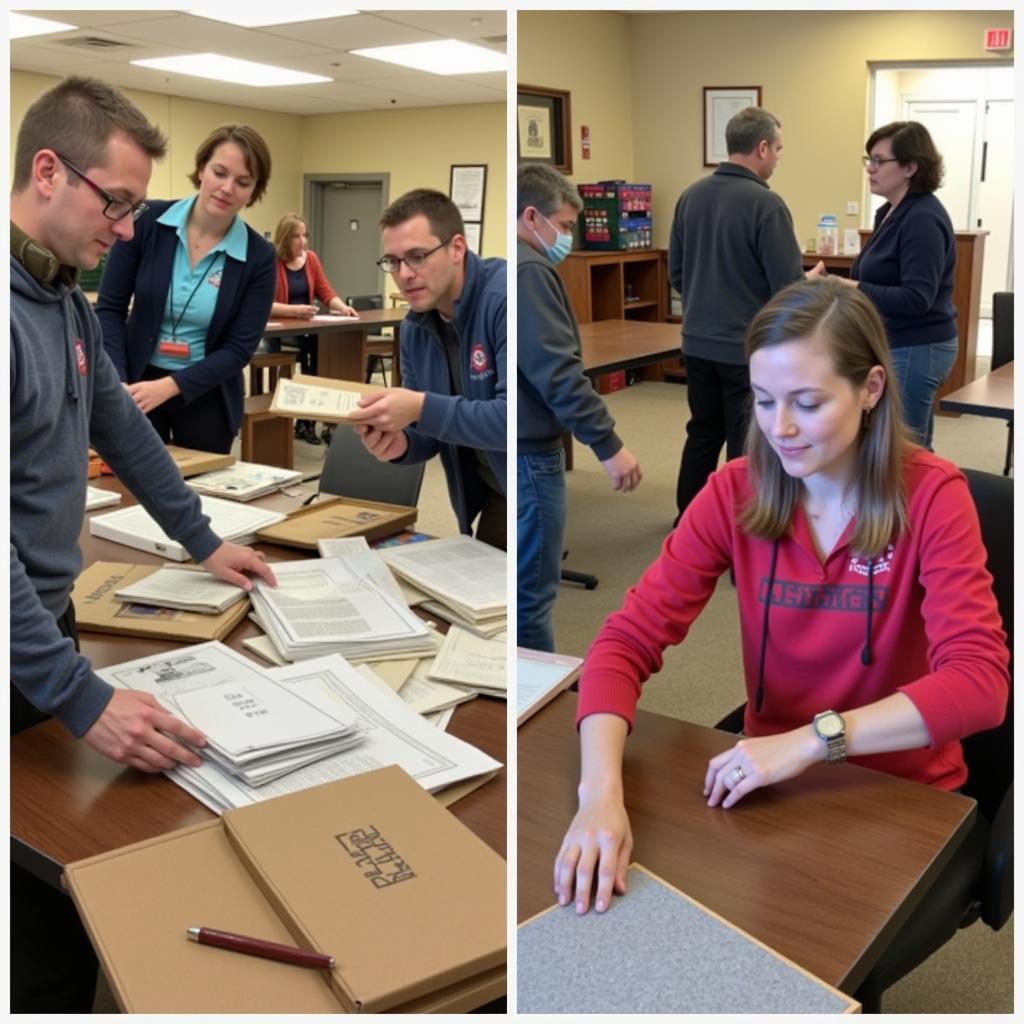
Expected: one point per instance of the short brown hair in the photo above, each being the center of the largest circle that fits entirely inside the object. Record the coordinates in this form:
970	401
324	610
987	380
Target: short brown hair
76	119
442	214
912	143
253	147
283	235
848	323
748	128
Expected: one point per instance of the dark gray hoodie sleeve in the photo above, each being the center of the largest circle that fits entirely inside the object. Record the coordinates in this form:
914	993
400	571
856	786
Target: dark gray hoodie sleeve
549	358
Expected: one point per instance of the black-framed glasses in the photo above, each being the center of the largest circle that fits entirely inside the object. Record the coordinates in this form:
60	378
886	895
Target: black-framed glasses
413	260
116	208
877	161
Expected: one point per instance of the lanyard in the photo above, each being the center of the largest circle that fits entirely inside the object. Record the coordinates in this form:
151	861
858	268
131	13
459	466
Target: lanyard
202	277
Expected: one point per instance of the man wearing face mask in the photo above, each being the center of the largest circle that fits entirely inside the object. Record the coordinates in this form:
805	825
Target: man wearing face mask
555	397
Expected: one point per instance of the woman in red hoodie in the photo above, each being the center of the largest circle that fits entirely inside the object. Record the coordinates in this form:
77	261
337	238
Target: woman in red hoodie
300	280
868	625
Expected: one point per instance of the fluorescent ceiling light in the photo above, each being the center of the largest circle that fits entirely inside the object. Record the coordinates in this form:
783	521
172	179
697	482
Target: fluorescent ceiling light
229	69
442	57
24	25
256	20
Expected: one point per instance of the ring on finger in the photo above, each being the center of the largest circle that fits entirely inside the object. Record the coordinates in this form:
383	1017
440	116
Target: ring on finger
738	774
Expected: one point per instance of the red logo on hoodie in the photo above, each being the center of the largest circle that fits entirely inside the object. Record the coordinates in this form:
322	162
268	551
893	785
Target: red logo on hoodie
478	360
80	357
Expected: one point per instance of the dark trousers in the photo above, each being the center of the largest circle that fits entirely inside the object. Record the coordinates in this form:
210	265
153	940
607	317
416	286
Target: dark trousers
719	397
53	966
492	524
203	424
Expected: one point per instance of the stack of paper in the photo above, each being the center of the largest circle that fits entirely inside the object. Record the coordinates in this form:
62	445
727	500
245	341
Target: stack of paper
96	497
244	481
135	527
465	578
540	677
187	589
390	733
319	607
477	663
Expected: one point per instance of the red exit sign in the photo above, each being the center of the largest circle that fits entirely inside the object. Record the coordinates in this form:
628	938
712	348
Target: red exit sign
998	38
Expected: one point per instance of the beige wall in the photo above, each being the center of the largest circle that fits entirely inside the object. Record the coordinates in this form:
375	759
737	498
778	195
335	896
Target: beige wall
416	147
587	54
637	81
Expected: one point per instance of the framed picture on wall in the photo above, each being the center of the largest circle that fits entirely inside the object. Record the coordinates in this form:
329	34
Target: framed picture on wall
720	103
474	230
544	120
467	187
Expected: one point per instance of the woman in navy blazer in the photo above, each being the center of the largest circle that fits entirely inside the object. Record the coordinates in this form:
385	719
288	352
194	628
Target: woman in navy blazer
906	267
183	303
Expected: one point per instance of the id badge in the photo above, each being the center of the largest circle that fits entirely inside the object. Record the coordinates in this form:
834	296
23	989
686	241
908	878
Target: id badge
173	347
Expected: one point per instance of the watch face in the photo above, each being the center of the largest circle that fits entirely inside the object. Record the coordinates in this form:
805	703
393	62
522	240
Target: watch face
829	725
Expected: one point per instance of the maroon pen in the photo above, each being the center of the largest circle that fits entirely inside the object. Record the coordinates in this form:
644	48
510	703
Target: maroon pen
260	947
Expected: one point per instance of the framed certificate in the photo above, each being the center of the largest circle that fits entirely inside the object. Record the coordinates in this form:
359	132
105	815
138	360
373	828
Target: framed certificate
720	104
544	121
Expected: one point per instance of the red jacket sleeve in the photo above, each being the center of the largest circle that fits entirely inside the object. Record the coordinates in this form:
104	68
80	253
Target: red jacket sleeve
319	286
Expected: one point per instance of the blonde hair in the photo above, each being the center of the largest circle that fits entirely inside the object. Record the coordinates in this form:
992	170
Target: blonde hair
850	327
283	235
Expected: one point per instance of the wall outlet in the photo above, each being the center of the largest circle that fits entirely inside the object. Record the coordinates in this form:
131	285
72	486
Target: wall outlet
852	208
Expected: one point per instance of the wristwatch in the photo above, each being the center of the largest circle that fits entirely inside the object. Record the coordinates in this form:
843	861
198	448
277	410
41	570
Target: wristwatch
829	725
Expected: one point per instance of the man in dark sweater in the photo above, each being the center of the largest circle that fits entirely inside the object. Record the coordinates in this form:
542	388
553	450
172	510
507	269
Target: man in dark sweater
732	247
555	396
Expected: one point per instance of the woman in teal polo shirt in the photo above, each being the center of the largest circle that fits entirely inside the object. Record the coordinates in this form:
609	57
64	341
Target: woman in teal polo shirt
183	303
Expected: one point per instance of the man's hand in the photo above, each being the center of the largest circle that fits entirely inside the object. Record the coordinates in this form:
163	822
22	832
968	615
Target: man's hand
230	561
818	270
385	445
623	470
148	394
131	730
389	410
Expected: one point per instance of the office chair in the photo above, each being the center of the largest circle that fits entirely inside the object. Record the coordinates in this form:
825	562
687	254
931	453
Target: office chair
978	880
378	346
352	472
1002	353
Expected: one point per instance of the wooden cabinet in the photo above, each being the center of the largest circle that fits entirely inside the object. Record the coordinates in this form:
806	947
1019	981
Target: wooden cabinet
970	257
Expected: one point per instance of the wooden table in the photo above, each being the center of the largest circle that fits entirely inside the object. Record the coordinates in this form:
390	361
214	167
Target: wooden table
824	868
610	345
342	346
68	802
989	395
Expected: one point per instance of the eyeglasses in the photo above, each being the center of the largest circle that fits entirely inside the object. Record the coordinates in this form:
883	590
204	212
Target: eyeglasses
116	208
413	260
877	161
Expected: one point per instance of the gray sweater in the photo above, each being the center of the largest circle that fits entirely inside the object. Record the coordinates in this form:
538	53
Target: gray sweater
66	396
555	395
731	249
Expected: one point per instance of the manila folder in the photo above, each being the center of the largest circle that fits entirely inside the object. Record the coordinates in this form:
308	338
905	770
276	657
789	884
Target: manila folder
372	870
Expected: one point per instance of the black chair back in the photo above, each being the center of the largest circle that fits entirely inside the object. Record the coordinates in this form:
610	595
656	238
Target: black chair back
351	471
1002	328
365	301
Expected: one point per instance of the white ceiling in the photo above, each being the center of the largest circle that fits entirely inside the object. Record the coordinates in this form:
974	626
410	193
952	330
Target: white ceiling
319	47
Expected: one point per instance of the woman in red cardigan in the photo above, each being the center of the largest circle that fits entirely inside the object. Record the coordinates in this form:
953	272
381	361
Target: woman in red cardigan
300	280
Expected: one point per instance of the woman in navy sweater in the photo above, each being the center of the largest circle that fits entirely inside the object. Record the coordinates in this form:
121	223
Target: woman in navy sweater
906	266
199	283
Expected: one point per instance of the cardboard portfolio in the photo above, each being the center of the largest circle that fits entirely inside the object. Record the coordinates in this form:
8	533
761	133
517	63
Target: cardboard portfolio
338	517
97	609
297	397
368	869
192	462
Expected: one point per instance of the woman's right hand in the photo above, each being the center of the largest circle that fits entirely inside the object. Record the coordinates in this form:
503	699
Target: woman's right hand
303	312
599	842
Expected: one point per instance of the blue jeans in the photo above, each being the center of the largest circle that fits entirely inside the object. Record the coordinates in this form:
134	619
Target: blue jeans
540	531
920	370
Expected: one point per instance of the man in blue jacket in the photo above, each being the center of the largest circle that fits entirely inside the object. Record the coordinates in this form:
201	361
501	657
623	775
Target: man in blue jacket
453	401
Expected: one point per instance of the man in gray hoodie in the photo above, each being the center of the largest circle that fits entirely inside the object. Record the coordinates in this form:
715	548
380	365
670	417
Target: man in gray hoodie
82	165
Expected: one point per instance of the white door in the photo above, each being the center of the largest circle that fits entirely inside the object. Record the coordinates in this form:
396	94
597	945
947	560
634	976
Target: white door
995	201
953	125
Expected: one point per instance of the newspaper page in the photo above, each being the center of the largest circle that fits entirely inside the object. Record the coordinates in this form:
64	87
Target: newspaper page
312	402
472	660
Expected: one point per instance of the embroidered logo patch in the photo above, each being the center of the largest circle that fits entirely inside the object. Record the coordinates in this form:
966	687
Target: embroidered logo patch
478	359
83	367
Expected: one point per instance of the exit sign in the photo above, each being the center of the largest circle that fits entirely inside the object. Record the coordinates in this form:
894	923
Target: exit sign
998	38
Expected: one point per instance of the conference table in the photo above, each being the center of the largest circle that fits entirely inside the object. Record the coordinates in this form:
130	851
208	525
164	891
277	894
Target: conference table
343	345
68	802
610	345
824	868
988	395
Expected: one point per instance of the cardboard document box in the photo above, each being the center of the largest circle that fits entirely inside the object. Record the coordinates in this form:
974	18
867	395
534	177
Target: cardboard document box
338	517
374	872
98	610
316	398
137	903
192	462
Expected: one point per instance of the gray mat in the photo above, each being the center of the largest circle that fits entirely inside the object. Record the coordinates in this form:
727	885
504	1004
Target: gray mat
654	951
